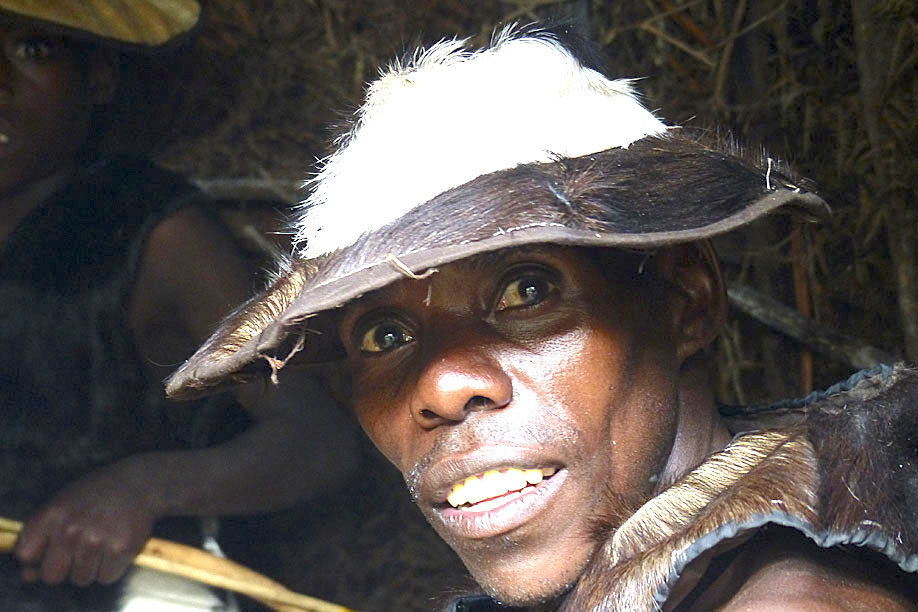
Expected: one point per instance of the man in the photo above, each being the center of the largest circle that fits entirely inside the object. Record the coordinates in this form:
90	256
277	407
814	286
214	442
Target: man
512	254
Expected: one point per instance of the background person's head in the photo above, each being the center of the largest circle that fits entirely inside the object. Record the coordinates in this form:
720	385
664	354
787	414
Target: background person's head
516	252
50	86
76	83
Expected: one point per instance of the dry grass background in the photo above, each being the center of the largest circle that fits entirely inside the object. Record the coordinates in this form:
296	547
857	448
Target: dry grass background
826	84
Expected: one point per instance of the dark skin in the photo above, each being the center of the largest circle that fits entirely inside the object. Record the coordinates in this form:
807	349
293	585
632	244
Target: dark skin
783	571
46	100
190	276
539	358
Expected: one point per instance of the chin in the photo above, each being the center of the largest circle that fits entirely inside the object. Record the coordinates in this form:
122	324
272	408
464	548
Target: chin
526	593
524	583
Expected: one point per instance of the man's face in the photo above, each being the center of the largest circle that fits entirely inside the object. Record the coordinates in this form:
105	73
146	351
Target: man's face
523	395
45	104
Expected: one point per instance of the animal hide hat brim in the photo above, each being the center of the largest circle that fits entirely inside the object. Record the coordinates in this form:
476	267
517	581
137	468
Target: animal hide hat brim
660	191
614	177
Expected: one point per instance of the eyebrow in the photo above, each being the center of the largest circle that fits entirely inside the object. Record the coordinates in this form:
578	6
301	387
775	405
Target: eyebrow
491	258
475	263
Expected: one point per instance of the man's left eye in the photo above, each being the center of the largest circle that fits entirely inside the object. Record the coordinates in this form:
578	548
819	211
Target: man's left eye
525	291
34	49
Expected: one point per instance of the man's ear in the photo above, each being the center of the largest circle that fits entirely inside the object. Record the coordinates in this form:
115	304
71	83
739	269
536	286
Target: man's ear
103	76
696	299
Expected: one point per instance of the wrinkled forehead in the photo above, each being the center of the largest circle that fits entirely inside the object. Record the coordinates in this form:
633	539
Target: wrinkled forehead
463	276
453	281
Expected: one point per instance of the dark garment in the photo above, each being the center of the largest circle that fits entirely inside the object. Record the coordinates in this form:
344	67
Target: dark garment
481	603
835	469
73	394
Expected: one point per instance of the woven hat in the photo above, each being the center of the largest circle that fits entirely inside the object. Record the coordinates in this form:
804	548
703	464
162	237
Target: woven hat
126	23
457	152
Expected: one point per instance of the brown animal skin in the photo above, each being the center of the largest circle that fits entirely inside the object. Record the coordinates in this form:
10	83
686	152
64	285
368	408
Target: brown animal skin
840	471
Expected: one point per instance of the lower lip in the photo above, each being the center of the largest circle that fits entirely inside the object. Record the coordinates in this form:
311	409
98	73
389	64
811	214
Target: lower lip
517	511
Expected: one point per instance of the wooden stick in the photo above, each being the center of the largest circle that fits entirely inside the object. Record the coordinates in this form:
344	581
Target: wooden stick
803	301
201	566
808	332
688	24
254	188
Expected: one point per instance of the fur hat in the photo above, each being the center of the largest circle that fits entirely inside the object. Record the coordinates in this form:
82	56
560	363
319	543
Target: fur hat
136	24
457	152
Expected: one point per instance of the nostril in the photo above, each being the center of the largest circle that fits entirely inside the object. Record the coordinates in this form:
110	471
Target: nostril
454	386
478	402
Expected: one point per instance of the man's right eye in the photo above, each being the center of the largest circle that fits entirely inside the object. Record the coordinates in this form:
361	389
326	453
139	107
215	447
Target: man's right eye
384	336
34	48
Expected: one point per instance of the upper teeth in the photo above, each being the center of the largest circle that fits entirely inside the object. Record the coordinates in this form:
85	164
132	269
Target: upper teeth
495	483
4	139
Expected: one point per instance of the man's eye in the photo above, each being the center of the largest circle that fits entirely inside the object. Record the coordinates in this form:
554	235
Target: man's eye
33	49
384	336
525	291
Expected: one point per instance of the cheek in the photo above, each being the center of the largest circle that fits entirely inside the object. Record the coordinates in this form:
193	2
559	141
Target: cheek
642	432
593	377
626	389
50	120
371	409
59	102
642	437
376	404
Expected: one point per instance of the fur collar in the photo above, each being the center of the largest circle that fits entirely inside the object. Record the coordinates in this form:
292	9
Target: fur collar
839	466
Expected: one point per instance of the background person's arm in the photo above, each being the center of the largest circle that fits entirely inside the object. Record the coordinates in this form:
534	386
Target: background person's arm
299	446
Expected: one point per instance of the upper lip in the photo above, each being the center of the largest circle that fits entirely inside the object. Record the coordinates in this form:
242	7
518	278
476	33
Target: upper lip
438	480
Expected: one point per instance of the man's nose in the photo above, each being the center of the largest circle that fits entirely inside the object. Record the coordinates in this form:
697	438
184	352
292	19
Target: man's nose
457	382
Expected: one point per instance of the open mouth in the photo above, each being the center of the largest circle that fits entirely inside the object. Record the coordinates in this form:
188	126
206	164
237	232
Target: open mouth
498	501
494	488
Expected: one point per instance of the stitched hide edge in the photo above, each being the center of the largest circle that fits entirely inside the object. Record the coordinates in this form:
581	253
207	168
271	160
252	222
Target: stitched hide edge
747	478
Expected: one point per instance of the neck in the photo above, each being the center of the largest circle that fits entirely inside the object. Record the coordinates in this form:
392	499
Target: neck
700	430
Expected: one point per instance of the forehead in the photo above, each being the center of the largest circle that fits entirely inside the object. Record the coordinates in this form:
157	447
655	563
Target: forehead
604	265
17	30
465	271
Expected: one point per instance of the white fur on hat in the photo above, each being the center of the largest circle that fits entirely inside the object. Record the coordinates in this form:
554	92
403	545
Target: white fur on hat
451	115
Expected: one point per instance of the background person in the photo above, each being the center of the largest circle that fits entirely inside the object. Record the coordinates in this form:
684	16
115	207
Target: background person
111	269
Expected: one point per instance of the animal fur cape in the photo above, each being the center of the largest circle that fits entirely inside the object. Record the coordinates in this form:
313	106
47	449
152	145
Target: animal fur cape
838	466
